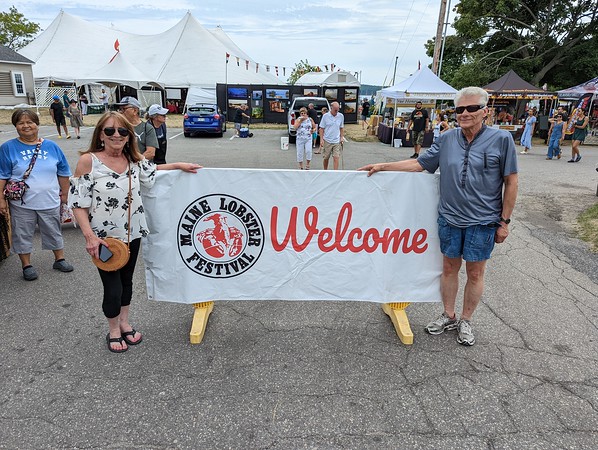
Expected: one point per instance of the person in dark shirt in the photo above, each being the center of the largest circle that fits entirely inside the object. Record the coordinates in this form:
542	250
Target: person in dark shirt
421	122
66	101
312	113
239	114
57	113
365	112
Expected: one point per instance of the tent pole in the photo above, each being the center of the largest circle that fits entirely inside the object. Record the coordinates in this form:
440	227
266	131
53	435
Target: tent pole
226	89
392	127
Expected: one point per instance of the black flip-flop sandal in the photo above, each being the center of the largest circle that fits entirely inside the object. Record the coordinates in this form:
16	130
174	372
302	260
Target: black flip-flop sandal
120	340
126	335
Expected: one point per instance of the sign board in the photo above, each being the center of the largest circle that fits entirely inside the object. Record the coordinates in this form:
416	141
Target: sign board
251	234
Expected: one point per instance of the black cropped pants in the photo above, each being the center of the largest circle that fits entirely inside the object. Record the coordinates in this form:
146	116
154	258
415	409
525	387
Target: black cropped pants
118	285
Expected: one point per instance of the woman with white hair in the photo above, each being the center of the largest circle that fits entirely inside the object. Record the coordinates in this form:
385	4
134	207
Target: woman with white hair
156	116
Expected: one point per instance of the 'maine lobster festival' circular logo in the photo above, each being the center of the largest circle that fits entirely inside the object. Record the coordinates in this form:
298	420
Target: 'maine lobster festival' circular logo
220	236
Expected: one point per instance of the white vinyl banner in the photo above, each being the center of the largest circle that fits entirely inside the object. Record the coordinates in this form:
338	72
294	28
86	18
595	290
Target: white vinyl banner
256	234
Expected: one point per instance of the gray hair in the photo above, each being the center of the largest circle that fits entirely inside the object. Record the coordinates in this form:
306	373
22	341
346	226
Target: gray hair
472	91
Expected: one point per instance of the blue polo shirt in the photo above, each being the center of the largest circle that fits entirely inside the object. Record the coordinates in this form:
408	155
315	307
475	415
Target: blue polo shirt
471	174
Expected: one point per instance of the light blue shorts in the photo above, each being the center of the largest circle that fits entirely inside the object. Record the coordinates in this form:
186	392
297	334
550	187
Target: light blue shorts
473	244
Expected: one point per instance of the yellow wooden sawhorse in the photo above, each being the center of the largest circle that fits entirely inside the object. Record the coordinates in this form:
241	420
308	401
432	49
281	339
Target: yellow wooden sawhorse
396	312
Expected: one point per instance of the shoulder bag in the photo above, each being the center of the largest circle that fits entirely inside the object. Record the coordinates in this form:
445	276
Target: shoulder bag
15	189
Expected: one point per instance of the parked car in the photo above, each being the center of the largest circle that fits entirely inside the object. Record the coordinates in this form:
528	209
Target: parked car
298	103
203	118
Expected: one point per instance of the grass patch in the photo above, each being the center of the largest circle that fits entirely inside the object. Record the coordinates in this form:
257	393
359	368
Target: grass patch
588	226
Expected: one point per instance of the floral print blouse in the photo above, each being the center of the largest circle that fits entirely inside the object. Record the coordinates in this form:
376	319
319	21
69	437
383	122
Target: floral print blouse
304	130
104	193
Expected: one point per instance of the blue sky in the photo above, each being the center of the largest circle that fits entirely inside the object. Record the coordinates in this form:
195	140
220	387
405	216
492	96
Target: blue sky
358	36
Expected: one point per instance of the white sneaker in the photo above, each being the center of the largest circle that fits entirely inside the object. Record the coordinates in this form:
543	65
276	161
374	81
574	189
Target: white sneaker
523	152
465	333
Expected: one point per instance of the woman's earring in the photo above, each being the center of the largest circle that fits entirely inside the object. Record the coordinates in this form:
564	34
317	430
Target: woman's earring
102	144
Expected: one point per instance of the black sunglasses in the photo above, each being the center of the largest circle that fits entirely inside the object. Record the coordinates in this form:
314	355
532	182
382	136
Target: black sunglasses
469	108
109	131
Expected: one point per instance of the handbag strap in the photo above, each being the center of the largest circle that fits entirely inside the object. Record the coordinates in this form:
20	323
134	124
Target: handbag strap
129	210
33	159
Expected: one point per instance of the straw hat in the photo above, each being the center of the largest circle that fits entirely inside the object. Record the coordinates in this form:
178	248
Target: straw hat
120	256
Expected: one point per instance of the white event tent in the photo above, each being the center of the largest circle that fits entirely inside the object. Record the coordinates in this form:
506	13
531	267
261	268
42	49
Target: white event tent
340	78
116	72
184	56
422	85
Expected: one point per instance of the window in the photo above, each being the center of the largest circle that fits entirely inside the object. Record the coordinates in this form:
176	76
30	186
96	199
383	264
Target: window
18	84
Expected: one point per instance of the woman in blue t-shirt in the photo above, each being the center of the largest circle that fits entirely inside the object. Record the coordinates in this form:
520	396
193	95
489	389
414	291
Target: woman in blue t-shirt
48	186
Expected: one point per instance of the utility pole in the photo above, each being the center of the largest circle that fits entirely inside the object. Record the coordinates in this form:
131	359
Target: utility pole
439	36
443	43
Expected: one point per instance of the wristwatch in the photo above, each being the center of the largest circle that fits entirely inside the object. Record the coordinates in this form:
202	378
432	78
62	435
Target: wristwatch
507	221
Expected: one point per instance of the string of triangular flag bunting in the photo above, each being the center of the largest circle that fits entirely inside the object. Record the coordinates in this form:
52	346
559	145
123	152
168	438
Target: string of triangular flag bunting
279	69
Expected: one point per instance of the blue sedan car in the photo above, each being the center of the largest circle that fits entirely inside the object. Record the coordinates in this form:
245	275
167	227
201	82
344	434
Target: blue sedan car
204	118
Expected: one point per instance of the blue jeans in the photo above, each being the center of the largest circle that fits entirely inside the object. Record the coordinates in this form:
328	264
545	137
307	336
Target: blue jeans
553	147
474	243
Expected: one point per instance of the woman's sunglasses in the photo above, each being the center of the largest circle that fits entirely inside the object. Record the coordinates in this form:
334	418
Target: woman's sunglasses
469	108
109	131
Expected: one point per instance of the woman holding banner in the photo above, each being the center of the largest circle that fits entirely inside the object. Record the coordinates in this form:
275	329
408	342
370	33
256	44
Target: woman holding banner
105	195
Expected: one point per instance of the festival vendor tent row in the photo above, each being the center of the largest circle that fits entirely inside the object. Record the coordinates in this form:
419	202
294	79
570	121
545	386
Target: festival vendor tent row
586	96
271	103
512	91
421	86
186	55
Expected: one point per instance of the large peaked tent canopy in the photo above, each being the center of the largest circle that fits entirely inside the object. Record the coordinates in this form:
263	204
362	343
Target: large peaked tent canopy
422	85
185	55
118	71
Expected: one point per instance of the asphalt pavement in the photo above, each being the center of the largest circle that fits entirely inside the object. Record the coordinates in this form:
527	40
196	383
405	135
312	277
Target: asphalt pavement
325	375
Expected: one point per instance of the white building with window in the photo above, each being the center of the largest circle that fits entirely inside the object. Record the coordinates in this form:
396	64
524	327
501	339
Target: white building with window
16	78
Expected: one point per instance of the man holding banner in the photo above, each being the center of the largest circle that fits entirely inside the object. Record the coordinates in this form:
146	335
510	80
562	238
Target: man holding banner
478	190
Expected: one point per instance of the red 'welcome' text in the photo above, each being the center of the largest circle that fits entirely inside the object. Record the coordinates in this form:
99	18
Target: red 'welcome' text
343	239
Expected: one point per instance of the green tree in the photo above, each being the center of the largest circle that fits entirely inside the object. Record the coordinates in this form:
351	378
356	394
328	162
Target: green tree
15	30
300	69
540	39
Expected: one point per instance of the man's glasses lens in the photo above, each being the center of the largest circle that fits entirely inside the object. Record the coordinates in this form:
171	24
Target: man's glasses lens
469	108
109	131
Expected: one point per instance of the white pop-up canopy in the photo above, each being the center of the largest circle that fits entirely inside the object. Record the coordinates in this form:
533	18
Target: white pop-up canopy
422	85
185	55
